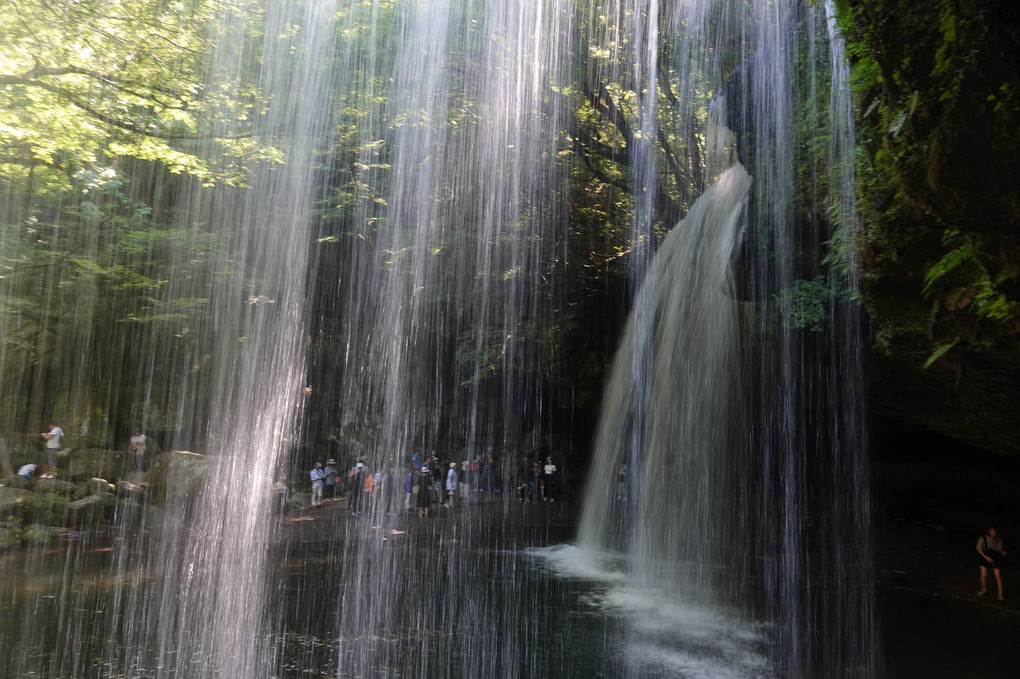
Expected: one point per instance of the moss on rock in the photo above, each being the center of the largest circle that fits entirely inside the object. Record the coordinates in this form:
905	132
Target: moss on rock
939	92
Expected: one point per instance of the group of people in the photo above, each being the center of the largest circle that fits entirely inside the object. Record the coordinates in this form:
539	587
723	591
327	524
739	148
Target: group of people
53	439
367	487
426	483
538	483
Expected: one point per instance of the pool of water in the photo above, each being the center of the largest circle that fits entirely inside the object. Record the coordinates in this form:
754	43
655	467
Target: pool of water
462	596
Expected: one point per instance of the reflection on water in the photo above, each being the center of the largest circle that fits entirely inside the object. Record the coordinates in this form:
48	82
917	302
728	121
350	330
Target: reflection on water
559	610
473	591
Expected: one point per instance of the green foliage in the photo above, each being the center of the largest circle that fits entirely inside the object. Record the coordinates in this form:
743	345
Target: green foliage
805	303
939	352
951	260
131	80
937	91
45	508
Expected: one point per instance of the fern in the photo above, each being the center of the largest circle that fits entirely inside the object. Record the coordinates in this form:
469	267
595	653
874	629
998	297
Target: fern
939	352
949	261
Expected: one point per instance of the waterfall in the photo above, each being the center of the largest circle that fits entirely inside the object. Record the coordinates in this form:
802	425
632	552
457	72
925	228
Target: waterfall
659	485
209	609
731	469
373	229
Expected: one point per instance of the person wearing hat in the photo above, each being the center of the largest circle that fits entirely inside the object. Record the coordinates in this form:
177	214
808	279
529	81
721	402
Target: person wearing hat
358	487
317	479
331	472
424	499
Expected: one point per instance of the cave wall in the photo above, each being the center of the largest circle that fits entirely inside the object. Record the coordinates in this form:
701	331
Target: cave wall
937	89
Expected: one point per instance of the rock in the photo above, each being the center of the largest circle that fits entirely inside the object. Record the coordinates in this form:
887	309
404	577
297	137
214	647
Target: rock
11	500
134	517
135	477
299	500
153	517
176	475
85	512
81	465
18	482
98	486
54	486
38	533
9	537
131	491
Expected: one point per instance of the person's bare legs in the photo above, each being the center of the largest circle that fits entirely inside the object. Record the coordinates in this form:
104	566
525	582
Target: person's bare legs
984	581
998	579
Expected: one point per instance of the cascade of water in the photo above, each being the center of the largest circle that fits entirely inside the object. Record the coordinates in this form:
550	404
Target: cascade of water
741	516
210	606
683	452
437	310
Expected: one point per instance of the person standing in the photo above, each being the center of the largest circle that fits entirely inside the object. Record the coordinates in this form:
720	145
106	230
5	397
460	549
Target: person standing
357	475
489	481
392	484
138	444
464	485
424	499
451	485
330	480
476	472
549	487
409	486
318	477
992	550
280	495
54	438
367	499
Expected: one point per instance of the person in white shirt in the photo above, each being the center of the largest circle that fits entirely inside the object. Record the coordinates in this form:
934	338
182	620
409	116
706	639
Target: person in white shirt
138	443
317	480
27	471
549	488
54	437
451	485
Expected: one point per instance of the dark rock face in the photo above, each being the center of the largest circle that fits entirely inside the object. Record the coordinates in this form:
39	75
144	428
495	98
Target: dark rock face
86	512
939	92
175	475
85	464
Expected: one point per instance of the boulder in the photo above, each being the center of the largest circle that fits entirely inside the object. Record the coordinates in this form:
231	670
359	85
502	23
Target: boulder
54	486
18	482
39	534
81	465
176	475
152	517
97	486
131	517
11	500
9	536
133	492
299	500
85	512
